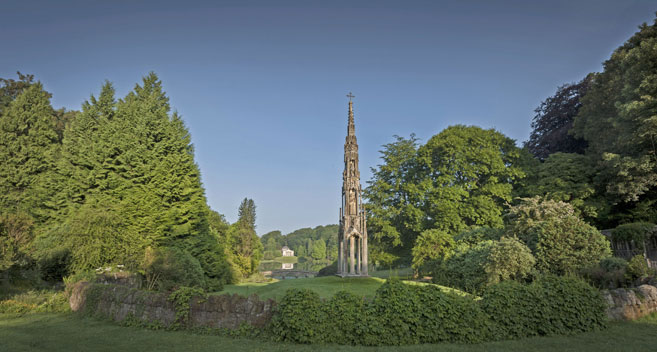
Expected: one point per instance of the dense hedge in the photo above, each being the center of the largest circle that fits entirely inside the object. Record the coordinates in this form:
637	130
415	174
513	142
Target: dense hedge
300	317
637	232
548	306
410	314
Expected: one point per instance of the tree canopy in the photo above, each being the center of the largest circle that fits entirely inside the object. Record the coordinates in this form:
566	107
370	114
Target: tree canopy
609	118
462	177
554	119
104	184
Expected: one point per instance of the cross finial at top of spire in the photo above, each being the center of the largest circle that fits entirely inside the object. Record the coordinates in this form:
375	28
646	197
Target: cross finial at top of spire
350	96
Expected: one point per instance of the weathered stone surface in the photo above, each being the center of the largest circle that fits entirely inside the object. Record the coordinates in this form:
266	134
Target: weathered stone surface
119	278
119	303
77	295
630	304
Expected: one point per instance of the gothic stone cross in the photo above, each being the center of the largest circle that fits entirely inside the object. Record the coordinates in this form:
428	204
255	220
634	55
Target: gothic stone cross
350	96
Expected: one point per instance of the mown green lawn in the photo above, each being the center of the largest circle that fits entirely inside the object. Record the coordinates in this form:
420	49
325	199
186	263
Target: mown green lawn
326	286
402	273
68	332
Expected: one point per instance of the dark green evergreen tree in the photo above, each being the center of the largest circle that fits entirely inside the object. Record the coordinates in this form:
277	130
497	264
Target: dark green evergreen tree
29	151
245	250
247	212
10	89
131	171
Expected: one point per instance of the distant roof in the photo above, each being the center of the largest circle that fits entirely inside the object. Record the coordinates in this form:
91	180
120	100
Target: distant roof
285	248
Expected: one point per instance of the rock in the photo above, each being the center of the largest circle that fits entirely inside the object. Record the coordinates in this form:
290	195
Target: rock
631	303
223	311
78	295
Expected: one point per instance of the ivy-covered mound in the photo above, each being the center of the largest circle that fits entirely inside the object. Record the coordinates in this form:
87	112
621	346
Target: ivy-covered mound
403	314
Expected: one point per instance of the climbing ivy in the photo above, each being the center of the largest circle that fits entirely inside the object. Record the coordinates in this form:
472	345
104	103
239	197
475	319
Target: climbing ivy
182	298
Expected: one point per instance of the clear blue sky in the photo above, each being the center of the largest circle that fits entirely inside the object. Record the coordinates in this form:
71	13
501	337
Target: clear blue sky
262	84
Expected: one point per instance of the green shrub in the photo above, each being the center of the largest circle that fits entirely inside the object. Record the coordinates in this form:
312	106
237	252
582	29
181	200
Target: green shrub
431	245
329	270
168	268
447	317
565	246
637	232
509	259
510	306
35	302
82	275
637	268
54	266
212	259
403	314
394	315
345	314
613	264
269	255
472	268
479	234
608	274
522	218
97	234
561	242
569	305
550	305
299	317
464	268
16	234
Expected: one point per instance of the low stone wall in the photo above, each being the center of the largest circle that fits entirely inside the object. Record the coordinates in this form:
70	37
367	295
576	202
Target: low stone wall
119	303
225	311
631	303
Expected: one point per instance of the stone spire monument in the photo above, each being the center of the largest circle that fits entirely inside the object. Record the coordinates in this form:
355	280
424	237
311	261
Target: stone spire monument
352	236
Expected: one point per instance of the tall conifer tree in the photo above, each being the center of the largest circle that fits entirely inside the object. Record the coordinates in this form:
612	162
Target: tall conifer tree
28	150
131	166
244	248
29	147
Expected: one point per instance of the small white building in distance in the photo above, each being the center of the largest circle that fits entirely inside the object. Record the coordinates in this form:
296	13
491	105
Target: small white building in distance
287	252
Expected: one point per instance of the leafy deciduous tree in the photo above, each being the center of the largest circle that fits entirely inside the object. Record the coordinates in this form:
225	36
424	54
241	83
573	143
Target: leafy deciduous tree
319	250
617	119
566	177
554	119
431	245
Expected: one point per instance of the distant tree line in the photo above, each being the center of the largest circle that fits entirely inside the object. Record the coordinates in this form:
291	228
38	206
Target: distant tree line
319	243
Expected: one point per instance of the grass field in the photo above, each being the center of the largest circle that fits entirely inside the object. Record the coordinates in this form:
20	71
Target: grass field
402	273
67	332
326	286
